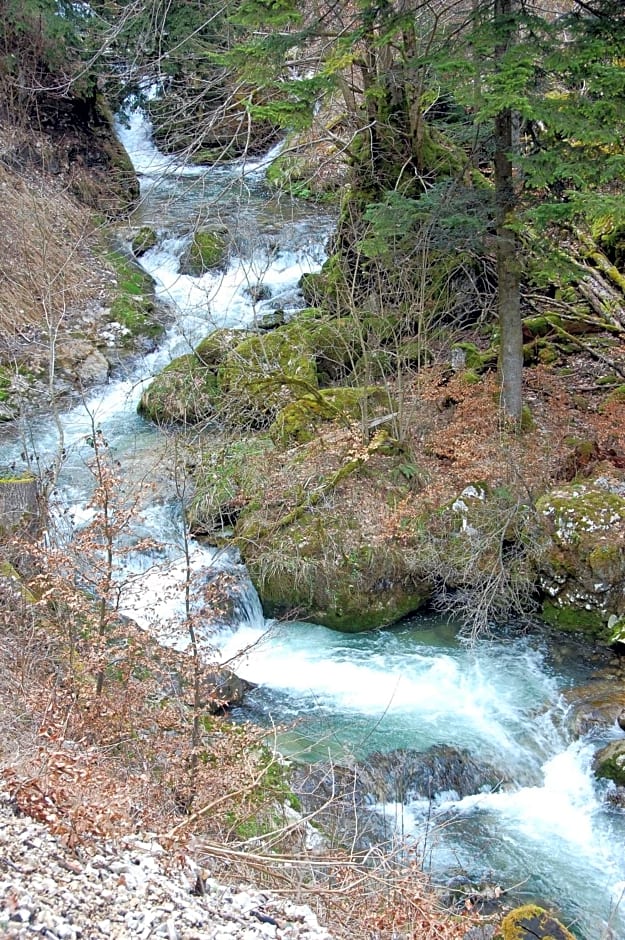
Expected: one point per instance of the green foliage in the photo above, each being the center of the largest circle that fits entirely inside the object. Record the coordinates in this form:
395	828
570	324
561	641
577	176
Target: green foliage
42	37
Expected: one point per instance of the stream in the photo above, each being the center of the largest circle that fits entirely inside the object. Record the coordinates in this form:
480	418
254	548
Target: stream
546	829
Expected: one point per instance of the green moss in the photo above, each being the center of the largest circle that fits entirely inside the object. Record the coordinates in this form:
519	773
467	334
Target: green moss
143	241
25	477
327	571
221	479
477	360
610	763
291	172
207	250
264	372
298	420
185	392
333	341
616	397
313	287
531	922
133	305
136	315
575	619
214	348
131	279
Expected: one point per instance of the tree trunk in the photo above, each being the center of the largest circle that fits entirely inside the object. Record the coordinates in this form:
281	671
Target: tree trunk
507	250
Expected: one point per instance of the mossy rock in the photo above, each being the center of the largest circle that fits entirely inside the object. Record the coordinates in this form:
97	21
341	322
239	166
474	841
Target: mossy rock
185	392
313	287
291	172
143	241
334	342
609	763
531	922
214	348
207	251
298	420
377	365
137	316
358	590
583	571
220	484
476	360
265	372
132	306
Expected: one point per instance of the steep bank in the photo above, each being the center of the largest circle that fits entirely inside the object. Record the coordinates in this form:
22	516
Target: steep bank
72	307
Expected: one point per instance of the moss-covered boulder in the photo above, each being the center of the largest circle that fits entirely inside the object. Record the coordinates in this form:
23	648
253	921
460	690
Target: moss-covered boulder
214	348
132	309
185	392
307	542
583	572
297	422
335	344
143	240
207	250
265	372
609	763
330	576
531	922
223	483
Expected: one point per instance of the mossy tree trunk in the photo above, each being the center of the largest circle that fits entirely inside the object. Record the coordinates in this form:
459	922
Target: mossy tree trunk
507	246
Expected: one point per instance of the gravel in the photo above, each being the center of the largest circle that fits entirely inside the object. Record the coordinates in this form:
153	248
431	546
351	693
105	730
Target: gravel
128	888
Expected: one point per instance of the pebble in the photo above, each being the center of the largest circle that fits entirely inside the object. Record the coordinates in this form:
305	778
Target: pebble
126	890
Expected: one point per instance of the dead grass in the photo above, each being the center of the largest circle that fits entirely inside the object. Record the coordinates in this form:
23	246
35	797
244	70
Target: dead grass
47	272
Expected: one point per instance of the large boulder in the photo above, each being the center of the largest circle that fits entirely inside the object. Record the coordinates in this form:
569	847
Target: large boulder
185	392
328	573
206	251
222	690
583	572
595	706
404	775
265	372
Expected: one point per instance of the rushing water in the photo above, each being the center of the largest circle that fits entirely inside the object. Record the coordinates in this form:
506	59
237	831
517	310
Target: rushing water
546	829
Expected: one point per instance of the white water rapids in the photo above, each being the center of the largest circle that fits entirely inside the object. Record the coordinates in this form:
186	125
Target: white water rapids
547	829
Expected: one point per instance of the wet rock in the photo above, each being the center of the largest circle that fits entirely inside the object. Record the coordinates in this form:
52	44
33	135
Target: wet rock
596	705
583	574
405	775
531	922
222	690
185	392
207	251
616	797
143	240
335	798
258	292
271	320
484	932
81	361
609	763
